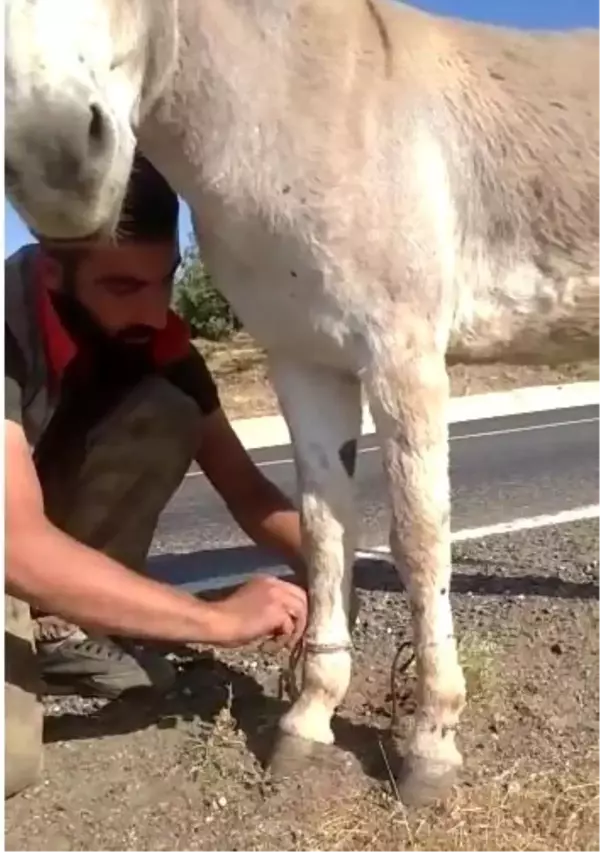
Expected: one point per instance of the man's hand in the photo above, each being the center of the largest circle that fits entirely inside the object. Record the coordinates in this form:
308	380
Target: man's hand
107	597
263	608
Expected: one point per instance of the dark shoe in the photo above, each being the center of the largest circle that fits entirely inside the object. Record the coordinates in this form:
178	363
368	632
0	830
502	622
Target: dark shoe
99	667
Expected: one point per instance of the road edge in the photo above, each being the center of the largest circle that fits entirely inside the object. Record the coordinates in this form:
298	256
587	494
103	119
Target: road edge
271	430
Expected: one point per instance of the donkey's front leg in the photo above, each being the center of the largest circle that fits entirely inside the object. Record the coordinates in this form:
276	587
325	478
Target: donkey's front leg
409	401
322	409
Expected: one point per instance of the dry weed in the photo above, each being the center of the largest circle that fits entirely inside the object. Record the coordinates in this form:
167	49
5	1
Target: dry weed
513	811
239	368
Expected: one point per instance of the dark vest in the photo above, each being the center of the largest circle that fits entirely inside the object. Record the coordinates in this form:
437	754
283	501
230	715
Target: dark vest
21	321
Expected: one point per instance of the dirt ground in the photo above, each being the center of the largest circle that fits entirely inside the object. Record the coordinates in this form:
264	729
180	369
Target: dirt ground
239	369
186	772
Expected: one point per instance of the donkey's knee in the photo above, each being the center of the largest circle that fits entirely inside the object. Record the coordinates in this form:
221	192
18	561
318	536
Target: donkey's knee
323	411
410	412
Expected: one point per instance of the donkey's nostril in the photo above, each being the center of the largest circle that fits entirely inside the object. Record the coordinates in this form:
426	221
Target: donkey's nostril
96	128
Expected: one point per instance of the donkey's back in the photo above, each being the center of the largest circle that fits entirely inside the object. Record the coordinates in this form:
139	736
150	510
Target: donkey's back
503	153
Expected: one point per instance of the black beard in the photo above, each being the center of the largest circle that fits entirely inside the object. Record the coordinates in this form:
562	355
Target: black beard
120	359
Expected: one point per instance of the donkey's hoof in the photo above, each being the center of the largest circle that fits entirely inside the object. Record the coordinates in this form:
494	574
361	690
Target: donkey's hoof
293	756
422	782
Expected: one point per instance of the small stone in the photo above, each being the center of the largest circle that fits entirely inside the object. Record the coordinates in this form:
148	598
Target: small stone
493	726
222	802
209	818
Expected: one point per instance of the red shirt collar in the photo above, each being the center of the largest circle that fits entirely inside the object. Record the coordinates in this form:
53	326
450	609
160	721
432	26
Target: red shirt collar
170	343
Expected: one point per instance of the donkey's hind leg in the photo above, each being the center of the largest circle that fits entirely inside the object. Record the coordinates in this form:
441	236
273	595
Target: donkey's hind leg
409	399
322	409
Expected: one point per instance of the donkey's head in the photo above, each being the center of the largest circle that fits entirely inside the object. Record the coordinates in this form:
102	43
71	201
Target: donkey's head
79	76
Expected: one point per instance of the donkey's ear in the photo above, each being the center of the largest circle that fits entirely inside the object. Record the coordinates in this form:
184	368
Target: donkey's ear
162	42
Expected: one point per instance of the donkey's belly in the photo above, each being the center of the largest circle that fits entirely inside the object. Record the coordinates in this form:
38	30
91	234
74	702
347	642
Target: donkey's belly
521	316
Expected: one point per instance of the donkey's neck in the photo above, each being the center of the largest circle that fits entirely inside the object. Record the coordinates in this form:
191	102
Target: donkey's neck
250	74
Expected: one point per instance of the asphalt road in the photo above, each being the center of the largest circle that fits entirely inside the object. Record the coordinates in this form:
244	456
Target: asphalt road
502	469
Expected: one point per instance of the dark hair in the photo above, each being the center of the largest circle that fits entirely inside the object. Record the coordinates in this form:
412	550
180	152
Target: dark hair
151	208
150	213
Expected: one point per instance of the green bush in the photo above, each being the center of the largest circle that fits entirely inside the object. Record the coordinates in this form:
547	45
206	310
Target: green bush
208	313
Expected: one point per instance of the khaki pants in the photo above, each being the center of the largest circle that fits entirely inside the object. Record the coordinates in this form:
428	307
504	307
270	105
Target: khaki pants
107	471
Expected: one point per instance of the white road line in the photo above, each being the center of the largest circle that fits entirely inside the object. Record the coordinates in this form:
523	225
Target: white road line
383	552
364	450
272	431
568	516
525	428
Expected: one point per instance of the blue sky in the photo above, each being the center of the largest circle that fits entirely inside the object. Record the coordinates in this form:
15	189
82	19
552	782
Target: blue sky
556	14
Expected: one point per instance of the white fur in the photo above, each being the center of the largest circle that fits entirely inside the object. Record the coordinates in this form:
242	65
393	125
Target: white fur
322	409
375	189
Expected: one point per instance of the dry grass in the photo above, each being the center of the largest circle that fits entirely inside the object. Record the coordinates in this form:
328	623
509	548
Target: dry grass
515	809
212	755
477	655
239	367
512	811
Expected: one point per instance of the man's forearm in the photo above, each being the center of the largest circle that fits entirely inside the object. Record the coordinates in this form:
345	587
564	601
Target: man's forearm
57	574
271	521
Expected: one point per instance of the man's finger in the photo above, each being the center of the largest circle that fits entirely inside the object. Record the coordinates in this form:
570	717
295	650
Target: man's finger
297	611
285	630
301	615
294	598
290	587
300	627
296	591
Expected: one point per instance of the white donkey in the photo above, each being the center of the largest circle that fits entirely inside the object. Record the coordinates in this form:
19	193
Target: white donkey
376	190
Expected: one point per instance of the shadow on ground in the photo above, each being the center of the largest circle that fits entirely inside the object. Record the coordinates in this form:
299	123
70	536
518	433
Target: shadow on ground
213	569
205	687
